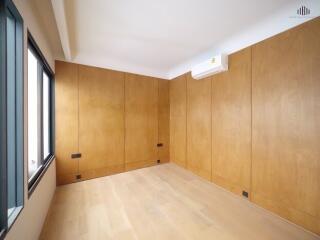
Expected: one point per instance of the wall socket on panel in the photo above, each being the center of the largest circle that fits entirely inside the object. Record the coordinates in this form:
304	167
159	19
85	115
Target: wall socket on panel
76	155
245	194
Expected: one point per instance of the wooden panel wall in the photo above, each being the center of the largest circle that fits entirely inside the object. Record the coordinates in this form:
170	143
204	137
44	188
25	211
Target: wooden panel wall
101	125
231	124
164	121
141	122
178	120
199	126
114	119
279	166
66	121
265	124
286	125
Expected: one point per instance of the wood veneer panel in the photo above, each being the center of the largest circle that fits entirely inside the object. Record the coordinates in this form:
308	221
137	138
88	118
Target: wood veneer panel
231	124
66	120
101	127
164	120
199	126
286	124
178	120
141	119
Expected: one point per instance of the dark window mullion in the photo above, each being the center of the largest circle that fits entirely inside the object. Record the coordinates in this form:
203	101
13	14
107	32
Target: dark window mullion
40	113
11	111
16	112
51	124
19	114
52	116
3	123
49	116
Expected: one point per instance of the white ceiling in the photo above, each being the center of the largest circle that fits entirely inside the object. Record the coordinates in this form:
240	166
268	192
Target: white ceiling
165	38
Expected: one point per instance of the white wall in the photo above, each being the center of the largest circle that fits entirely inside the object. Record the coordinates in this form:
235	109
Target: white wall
30	221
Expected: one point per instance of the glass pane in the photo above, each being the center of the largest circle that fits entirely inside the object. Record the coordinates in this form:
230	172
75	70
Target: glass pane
46	116
11	114
33	160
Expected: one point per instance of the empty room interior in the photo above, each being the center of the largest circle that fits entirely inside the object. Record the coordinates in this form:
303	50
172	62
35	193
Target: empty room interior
157	120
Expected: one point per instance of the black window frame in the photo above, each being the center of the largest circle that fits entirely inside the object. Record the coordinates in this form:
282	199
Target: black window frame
7	8
43	67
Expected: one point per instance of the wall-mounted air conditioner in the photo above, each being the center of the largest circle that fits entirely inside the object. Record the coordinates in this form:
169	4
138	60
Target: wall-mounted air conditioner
212	66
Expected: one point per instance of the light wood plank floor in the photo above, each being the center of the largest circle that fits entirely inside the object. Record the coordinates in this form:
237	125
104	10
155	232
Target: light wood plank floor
161	202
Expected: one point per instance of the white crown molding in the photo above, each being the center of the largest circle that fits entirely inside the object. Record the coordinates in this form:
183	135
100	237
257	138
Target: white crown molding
115	65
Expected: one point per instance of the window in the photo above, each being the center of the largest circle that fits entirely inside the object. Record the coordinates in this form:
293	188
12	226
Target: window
11	114
40	81
46	116
32	114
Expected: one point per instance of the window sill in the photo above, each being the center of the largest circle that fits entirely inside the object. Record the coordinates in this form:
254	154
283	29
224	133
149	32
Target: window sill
13	217
40	175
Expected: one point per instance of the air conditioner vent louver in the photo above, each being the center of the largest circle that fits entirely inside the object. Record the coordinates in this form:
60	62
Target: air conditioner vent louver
211	66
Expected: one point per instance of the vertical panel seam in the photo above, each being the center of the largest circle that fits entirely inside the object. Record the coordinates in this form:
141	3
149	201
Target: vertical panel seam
169	126
186	141
170	119
158	110
211	115
78	102
251	65
124	121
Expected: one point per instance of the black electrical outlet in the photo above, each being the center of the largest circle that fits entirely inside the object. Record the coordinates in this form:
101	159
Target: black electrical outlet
158	161
245	194
78	176
159	145
76	155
